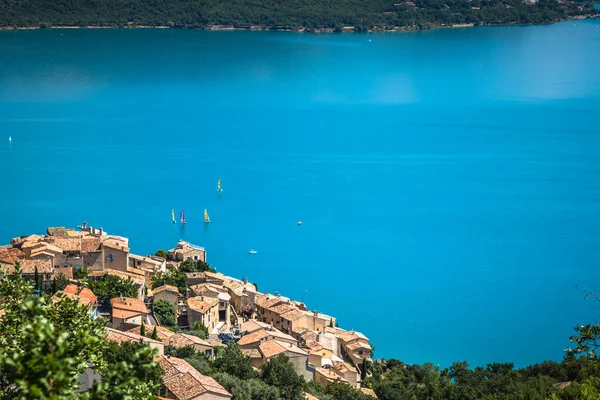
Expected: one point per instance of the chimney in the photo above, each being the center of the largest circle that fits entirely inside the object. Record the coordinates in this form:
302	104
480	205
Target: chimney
245	281
84	224
101	231
315	313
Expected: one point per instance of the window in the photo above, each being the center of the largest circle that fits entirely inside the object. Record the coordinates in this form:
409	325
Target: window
360	352
208	353
110	257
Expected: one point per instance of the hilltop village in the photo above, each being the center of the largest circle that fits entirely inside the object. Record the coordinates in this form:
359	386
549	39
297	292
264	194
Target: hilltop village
162	299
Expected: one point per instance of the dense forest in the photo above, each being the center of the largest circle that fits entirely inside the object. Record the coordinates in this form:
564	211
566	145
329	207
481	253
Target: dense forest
45	346
357	15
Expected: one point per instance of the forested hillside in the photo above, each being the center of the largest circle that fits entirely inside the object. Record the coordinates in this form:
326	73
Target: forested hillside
289	14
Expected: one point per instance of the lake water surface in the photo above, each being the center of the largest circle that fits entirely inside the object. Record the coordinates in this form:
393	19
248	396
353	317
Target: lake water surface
448	181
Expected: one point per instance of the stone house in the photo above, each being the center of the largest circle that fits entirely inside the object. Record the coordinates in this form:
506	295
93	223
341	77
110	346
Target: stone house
128	313
168	293
272	348
115	252
254	339
204	310
356	347
185	251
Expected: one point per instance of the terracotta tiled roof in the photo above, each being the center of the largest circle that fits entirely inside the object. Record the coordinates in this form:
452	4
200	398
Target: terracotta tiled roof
253	326
88	294
59	232
58	296
43	266
272	347
202	304
254	337
252	353
124	314
163	333
9	255
167	288
281	308
343	367
128	304
358	345
66	244
44	247
90	245
83	293
351	336
182	340
309	396
187	383
115	335
71	289
292	315
308	336
268	301
314	346
115	244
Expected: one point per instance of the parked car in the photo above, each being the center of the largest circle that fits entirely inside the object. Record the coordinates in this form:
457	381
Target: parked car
225	336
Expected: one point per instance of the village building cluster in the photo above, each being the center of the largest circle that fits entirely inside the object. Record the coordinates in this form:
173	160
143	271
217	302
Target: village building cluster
263	325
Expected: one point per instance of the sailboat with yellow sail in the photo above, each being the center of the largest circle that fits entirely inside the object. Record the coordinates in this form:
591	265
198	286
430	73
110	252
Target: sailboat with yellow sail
173	215
219	186
206	217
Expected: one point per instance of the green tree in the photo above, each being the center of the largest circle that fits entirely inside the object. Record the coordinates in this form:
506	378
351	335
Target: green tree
81	273
233	362
162	253
198	329
191	265
111	286
172	277
247	389
343	391
180	352
280	372
143	329
45	347
36	278
165	312
154	334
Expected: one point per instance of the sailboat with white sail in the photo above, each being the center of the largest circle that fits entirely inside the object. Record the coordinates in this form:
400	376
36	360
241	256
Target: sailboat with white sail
182	217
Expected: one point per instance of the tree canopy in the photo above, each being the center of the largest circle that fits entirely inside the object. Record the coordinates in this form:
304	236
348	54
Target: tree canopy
293	14
46	345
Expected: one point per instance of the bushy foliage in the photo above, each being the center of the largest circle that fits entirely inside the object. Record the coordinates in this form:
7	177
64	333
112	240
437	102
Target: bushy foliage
46	346
190	265
333	14
110	287
172	277
165	312
233	362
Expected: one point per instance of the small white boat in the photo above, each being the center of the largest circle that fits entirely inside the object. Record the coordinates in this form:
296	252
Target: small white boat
252	251
10	139
299	222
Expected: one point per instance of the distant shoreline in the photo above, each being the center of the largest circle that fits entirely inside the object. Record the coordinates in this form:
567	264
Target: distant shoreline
345	29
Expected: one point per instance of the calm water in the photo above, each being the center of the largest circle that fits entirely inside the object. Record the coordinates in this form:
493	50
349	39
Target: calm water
448	181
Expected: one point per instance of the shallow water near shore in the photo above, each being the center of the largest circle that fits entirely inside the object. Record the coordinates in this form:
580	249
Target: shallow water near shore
448	181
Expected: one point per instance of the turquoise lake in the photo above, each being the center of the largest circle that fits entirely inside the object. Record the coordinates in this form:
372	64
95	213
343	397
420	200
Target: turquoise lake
448	181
